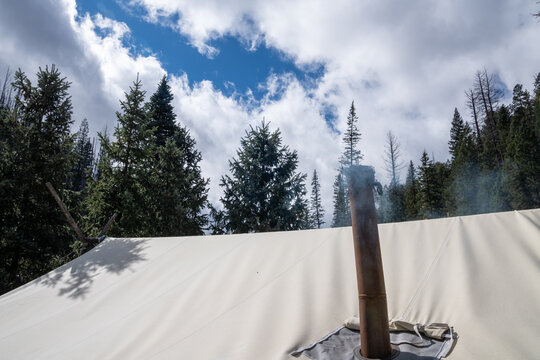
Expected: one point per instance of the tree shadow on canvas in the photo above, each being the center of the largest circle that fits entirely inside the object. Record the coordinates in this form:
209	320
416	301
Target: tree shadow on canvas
75	278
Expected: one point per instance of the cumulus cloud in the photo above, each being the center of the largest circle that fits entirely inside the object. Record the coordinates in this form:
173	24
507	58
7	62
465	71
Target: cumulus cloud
405	65
217	122
95	54
92	52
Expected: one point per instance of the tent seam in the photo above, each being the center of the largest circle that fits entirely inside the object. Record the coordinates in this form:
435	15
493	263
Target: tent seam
423	282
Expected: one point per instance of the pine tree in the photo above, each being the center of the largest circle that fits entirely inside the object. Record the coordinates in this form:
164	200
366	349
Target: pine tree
522	167
456	133
162	117
177	190
426	184
102	198
317	211
351	155
441	175
504	119
432	180
463	188
264	191
392	207
122	188
339	218
491	194
11	148
133	135
217	222
411	197
103	137
85	158
536	106
36	147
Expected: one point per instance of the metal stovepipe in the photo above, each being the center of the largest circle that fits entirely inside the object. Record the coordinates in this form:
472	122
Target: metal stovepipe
373	310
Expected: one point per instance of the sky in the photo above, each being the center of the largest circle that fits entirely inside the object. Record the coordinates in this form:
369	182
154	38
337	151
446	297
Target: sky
296	64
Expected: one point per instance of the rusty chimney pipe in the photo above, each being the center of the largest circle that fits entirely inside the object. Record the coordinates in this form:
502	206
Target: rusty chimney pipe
374	333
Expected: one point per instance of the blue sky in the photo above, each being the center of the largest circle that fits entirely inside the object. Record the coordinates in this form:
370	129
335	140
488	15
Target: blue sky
234	69
406	65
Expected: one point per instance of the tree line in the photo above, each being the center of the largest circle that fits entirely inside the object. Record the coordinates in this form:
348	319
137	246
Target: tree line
148	172
494	160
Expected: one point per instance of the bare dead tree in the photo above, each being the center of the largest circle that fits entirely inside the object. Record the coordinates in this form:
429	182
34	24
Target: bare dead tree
489	96
480	91
392	158
493	94
472	102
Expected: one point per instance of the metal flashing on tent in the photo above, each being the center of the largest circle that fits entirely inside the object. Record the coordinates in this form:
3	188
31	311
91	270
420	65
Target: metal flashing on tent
342	344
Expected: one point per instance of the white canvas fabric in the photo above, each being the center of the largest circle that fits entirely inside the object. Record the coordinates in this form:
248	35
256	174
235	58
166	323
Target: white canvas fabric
261	296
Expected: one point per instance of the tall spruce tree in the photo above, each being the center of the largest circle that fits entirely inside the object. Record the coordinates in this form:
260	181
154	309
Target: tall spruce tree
456	133
162	116
411	197
264	191
12	149
122	188
317	210
536	105
462	191
432	180
522	166
392	204
36	147
341	212
179	192
85	158
351	155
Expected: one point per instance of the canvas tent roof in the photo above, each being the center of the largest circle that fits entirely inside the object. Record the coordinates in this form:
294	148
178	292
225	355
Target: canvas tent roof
261	296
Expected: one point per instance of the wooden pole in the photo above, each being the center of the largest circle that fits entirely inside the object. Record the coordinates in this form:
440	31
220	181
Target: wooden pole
108	225
70	220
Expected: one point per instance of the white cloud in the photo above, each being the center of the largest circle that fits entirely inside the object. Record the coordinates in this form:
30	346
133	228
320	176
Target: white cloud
302	123
217	122
100	67
405	65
